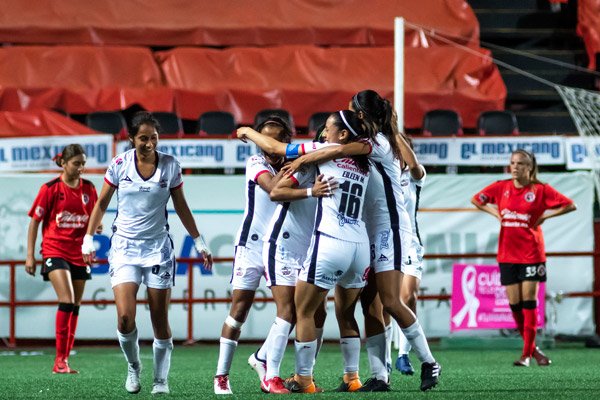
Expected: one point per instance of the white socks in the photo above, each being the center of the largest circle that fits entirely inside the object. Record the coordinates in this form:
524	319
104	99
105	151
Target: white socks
351	353
404	347
376	352
277	342
130	346
415	336
162	349
305	357
226	350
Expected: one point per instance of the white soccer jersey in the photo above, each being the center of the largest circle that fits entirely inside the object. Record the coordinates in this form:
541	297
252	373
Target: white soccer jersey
412	190
259	207
394	212
142	203
340	215
292	223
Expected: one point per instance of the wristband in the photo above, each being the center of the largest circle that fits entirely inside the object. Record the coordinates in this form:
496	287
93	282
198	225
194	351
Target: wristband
201	245
291	150
309	192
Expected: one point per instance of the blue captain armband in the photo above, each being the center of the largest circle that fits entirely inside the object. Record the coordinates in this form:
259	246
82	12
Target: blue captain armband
291	151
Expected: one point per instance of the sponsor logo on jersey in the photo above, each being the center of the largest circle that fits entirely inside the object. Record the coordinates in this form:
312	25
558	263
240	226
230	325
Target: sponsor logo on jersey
163	183
254	237
286	235
286	271
144	188
166	275
66	219
541	270
483	198
409	261
339	273
529	197
343	220
384	240
239	271
119	161
127	179
85	199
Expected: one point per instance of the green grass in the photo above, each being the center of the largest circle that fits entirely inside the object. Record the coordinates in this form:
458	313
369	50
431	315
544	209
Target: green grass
466	374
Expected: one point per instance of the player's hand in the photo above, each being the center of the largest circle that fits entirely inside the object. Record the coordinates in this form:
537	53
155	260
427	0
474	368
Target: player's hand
88	250
323	186
202	248
242	133
540	221
291	168
30	265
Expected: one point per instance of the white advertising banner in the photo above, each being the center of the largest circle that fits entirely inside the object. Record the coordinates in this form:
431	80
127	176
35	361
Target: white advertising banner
204	153
36	153
578	152
448	224
491	151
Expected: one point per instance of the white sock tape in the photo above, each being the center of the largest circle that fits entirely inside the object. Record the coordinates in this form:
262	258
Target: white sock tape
230	321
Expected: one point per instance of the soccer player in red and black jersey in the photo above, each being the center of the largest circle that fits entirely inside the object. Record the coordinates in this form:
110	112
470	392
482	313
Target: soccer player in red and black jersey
63	206
523	203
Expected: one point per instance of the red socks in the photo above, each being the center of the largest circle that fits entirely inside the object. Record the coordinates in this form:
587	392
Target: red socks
529	327
63	322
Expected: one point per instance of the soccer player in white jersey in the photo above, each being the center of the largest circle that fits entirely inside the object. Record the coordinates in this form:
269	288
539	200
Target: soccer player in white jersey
338	256
390	238
261	176
412	179
141	248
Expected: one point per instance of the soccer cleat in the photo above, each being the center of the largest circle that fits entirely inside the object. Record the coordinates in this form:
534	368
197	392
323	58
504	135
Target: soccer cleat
71	370
541	359
61	367
430	375
522	362
374	385
294	387
404	366
132	383
221	384
351	386
259	366
274	385
160	386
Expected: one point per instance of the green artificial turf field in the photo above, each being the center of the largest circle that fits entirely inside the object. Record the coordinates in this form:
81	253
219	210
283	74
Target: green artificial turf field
466	374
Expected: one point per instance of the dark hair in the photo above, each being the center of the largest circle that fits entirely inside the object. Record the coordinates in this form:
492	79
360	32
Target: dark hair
140	118
319	134
70	151
348	120
534	166
379	115
272	120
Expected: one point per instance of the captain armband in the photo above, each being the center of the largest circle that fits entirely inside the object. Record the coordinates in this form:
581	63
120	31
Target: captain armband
292	150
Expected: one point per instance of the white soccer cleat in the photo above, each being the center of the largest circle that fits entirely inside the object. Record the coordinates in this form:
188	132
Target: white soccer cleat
259	366
160	386
221	384
132	383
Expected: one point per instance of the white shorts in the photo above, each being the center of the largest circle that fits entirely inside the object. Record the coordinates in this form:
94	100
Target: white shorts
248	268
389	249
281	265
414	264
333	262
148	261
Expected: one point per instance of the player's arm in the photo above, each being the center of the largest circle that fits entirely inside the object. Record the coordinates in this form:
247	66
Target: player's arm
555	213
327	153
410	158
286	189
187	219
267	181
30	265
485	207
266	144
87	248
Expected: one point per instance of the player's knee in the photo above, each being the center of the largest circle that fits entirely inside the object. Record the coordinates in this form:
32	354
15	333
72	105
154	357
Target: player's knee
409	298
126	323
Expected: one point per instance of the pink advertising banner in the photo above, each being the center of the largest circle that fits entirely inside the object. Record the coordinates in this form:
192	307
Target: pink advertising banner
479	300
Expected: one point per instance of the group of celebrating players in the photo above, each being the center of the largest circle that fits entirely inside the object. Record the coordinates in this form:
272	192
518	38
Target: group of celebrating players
338	213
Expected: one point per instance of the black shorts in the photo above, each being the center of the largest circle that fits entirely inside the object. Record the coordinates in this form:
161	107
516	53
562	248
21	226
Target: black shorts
516	273
78	273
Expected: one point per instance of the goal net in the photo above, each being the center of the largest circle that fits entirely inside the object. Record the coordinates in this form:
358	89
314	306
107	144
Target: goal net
584	107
